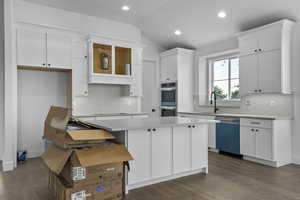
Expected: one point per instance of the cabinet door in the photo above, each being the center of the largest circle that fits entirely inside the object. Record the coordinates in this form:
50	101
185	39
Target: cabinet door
169	68
264	144
80	77
31	48
248	141
161	152
139	146
270	72
59	51
270	38
199	146
248	44
181	149
248	74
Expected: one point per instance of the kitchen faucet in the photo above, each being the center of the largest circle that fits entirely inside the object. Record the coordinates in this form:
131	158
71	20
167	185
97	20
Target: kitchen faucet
213	93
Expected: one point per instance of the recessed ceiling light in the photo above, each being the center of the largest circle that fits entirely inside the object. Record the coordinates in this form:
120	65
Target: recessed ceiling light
125	8
177	32
222	14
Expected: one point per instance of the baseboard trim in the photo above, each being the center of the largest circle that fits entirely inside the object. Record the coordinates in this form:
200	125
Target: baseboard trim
296	160
7	166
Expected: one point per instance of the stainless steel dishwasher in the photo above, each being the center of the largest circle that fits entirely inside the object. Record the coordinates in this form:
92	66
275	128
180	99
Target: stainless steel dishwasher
228	135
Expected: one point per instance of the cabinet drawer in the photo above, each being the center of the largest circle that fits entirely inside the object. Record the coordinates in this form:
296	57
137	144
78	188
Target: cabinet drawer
259	123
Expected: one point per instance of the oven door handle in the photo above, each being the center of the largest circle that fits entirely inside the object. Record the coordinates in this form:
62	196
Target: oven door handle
168	107
168	89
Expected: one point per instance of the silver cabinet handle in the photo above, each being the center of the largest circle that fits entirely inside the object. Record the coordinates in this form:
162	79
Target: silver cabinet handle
255	123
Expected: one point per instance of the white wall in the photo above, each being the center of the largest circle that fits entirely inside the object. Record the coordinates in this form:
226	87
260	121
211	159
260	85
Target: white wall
281	105
37	91
296	86
1	78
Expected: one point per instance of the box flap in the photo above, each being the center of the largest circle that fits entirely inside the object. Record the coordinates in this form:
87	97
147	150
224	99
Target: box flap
57	118
83	135
56	158
103	155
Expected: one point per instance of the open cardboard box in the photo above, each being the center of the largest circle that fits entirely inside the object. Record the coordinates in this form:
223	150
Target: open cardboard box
87	166
58	130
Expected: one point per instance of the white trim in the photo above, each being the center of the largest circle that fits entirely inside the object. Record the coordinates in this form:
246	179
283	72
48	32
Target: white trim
296	160
10	84
204	170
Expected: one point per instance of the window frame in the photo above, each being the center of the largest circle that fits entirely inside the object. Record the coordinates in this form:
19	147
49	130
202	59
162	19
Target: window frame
229	101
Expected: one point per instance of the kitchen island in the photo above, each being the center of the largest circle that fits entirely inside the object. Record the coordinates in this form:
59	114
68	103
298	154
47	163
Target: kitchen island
163	148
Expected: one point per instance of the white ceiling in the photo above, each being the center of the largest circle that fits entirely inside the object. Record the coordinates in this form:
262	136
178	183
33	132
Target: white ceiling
197	19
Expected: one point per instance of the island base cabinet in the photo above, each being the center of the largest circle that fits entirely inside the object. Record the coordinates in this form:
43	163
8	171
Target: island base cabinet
161	152
139	146
199	146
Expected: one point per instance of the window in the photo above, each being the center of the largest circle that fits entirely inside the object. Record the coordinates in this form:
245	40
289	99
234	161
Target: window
225	78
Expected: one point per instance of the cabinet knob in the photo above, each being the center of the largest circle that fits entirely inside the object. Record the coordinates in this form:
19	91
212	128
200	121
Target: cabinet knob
44	64
85	92
260	49
149	130
255	90
256	130
189	126
252	130
49	65
255	50
154	129
260	90
194	126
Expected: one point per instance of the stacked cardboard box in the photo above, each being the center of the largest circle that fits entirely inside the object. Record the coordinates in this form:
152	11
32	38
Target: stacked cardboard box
83	164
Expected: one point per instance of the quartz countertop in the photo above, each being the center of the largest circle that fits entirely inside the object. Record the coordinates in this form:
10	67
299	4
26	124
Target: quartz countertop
111	115
146	123
268	117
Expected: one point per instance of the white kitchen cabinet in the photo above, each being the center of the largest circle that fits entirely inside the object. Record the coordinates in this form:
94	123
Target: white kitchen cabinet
266	141
59	51
181	149
139	146
31	48
199	146
135	89
265	59
248	74
168	68
248	141
41	49
177	65
269	75
161	152
80	68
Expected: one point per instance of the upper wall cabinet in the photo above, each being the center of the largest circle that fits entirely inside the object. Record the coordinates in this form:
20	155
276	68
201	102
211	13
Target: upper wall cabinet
177	65
113	63
265	59
41	49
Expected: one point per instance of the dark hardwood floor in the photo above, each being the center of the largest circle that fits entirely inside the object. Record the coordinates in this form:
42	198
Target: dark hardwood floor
228	179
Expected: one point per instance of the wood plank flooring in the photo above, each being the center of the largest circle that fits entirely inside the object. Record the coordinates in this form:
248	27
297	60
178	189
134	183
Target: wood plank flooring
228	179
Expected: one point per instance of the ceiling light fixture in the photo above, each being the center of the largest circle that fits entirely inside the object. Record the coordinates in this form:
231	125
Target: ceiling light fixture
222	14
125	8
177	32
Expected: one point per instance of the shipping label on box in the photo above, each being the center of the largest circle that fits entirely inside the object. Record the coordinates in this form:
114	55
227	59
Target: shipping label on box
78	196
78	173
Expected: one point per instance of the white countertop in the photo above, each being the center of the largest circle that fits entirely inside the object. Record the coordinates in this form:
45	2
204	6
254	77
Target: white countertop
146	123
269	117
110	115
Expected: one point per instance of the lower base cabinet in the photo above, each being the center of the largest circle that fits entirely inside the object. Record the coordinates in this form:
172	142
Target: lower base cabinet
266	141
163	152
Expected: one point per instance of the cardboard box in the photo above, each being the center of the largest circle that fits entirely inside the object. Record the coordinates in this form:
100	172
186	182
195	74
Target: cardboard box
107	190
87	166
59	130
